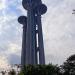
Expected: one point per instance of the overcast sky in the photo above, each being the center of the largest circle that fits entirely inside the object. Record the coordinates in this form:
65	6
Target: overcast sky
58	31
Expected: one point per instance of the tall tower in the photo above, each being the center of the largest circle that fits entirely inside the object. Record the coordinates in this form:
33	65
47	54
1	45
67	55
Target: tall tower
32	42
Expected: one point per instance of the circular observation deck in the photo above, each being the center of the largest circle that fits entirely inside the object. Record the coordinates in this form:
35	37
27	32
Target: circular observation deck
22	20
26	3
36	5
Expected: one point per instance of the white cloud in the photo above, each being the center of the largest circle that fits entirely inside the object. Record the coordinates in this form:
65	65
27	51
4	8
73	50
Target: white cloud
14	48
2	4
4	63
58	29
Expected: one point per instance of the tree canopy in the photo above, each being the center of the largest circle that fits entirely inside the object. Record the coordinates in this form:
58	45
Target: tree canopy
69	66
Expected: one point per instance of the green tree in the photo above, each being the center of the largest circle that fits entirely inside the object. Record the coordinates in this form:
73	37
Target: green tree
40	70
12	72
69	66
3	72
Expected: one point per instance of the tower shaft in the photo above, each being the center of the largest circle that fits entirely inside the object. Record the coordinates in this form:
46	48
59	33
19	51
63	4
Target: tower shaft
30	41
40	41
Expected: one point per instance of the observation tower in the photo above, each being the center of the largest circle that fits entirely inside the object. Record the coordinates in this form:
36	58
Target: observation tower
32	39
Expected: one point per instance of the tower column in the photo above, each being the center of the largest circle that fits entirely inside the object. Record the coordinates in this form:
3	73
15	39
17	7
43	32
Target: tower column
40	41
23	20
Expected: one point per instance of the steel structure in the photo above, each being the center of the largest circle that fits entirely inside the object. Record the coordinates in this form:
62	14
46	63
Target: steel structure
32	43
